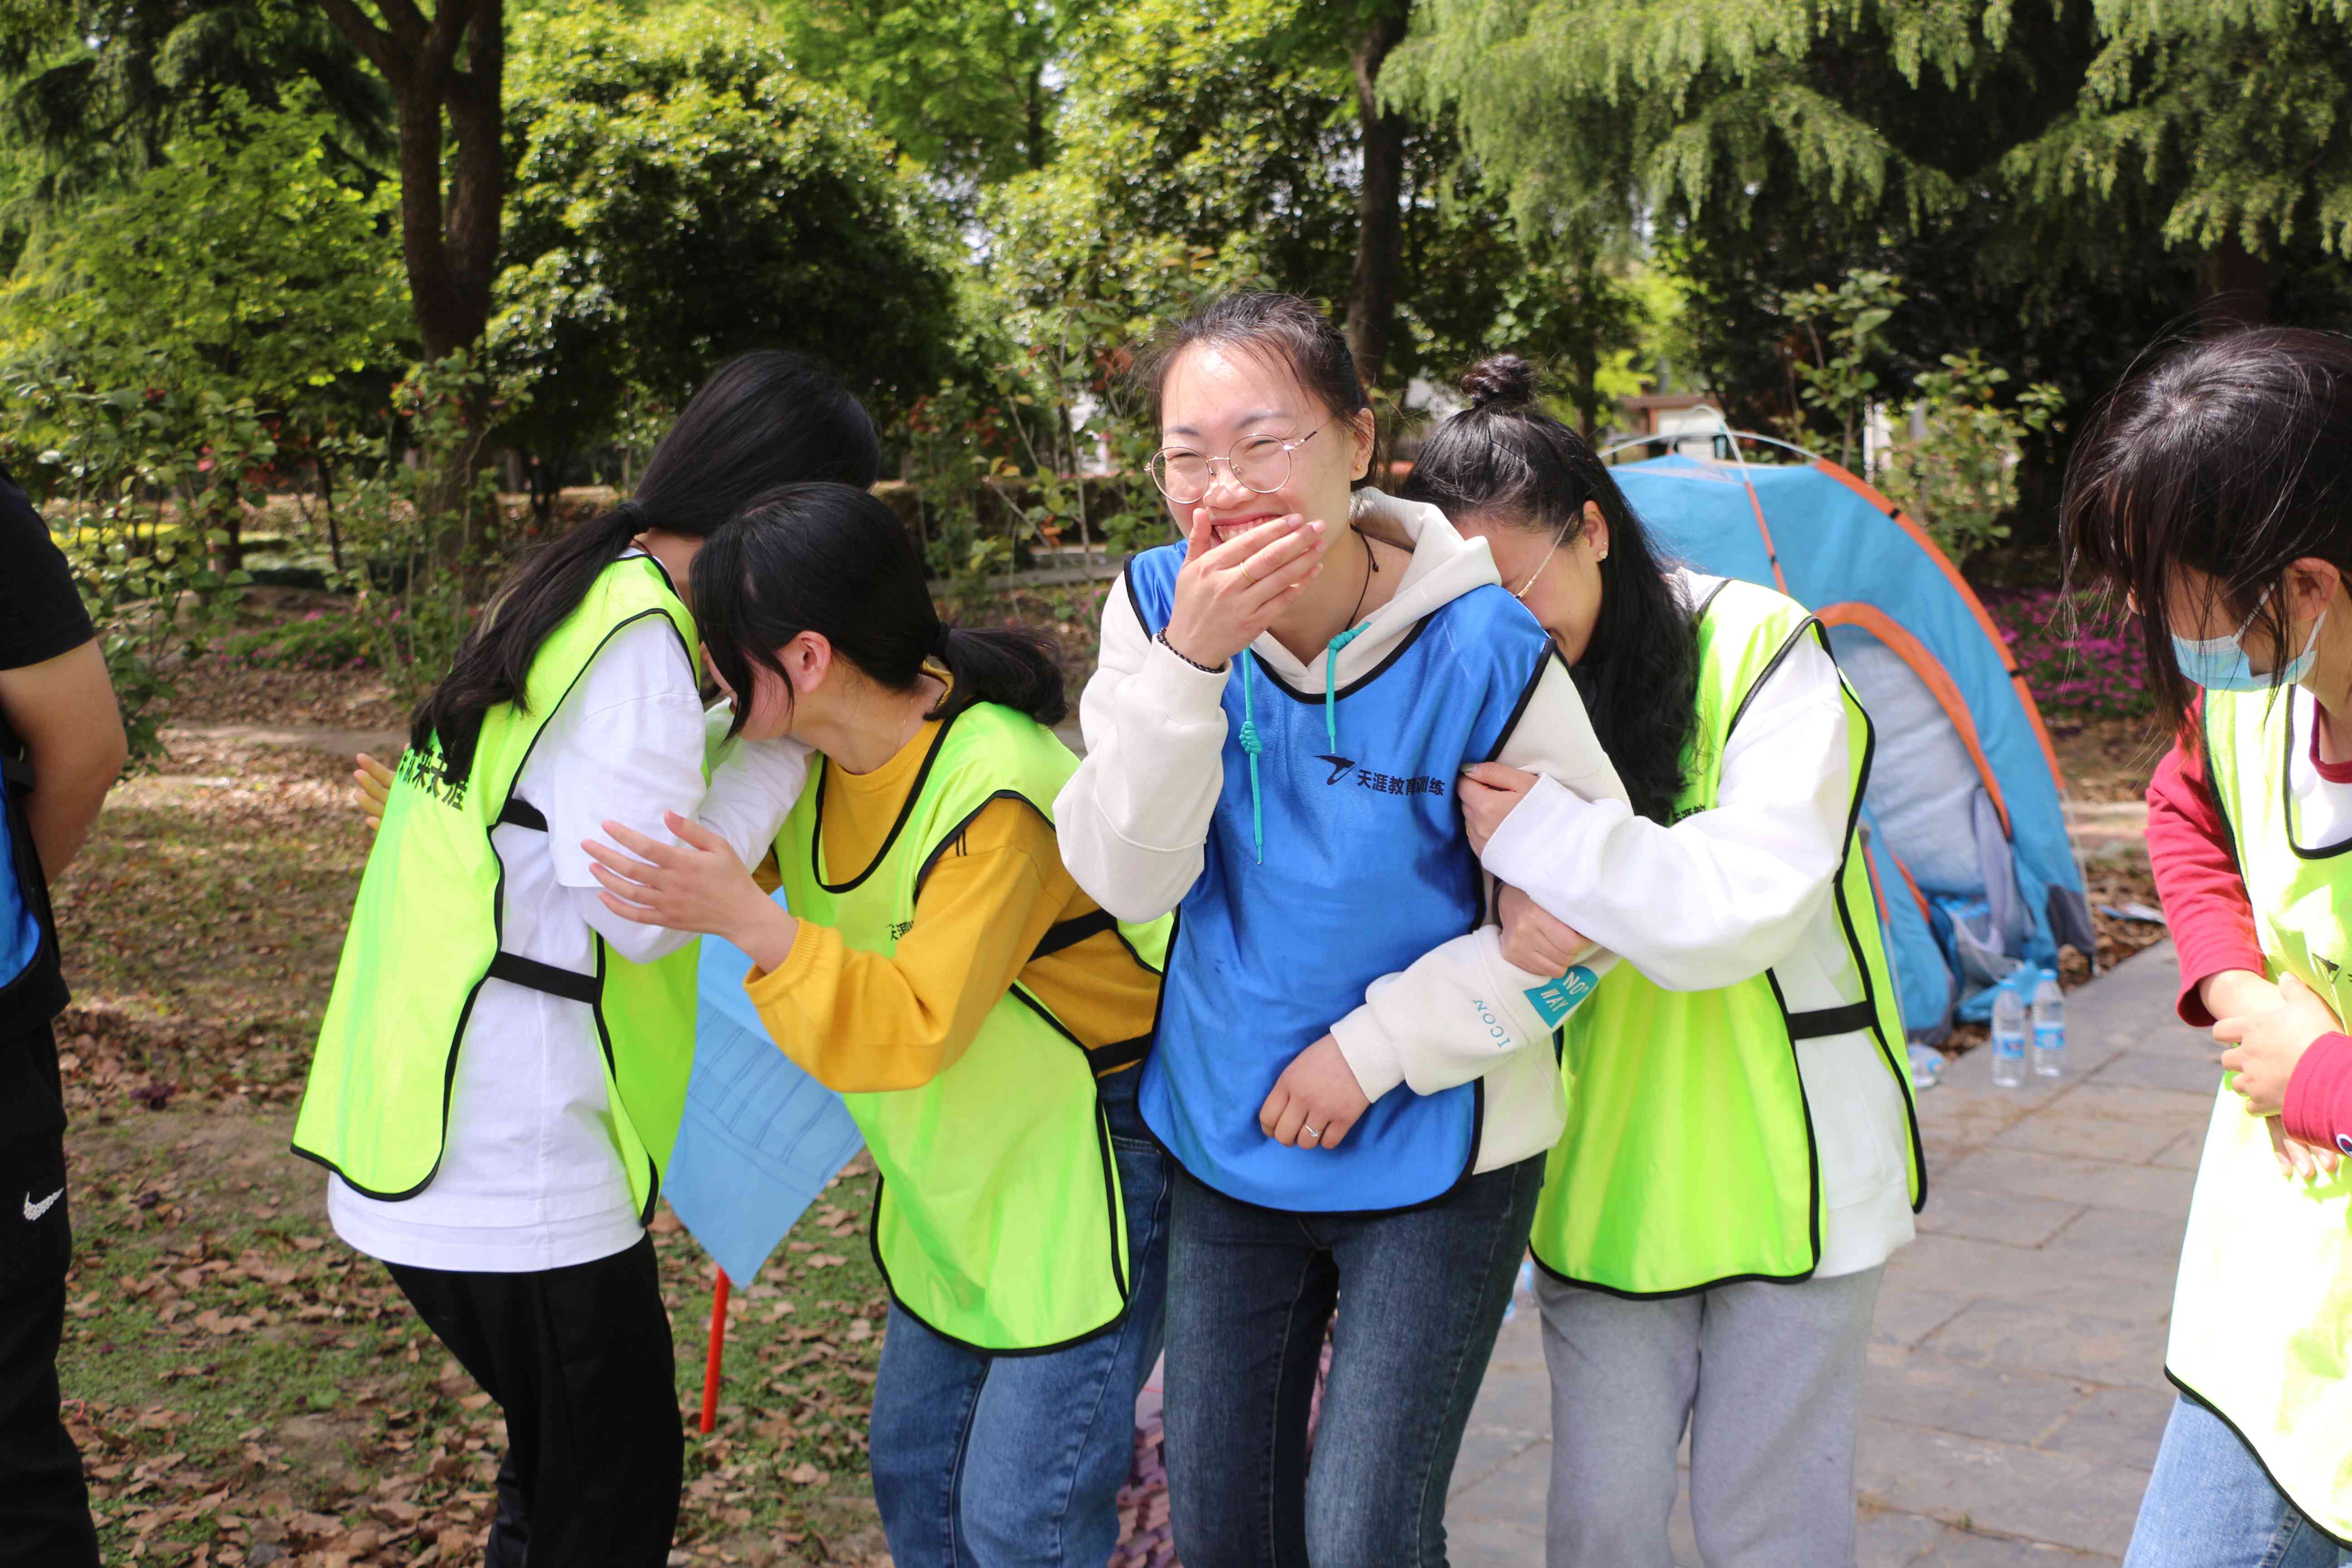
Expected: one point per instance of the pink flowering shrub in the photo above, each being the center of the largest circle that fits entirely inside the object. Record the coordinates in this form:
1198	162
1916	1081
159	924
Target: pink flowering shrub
2081	660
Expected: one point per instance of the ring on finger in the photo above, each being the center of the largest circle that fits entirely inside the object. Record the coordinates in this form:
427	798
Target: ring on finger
1312	1134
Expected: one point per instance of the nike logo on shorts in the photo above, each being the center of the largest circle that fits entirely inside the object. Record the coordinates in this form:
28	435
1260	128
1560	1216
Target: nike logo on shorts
34	1211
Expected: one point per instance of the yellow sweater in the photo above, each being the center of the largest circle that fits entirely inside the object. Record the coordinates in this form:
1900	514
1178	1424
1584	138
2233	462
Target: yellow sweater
862	1022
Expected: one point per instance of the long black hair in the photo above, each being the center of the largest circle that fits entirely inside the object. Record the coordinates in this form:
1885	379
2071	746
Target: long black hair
765	419
2232	457
1506	462
834	560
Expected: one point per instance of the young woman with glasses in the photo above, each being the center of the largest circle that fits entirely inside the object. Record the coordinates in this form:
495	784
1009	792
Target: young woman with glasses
1356	1095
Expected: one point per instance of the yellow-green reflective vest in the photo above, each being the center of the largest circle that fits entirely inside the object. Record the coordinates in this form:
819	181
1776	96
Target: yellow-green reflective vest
424	936
1688	1158
998	1221
2262	1315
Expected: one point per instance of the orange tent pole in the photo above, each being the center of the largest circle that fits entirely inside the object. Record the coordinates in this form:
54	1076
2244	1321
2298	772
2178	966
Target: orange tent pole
717	1349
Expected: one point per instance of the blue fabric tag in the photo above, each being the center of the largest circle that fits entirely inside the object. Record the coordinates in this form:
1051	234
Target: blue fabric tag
1556	999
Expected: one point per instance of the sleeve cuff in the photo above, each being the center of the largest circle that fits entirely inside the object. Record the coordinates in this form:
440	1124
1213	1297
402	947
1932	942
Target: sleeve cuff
768	988
1370	1054
2316	1093
1168	682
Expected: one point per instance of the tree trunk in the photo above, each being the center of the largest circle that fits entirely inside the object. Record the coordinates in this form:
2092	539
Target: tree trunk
2232	289
449	247
1380	217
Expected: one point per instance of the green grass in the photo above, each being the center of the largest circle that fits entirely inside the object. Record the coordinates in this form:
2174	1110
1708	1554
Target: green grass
245	1388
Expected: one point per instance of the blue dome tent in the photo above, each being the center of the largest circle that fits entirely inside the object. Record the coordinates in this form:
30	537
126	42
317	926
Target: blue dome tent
1963	818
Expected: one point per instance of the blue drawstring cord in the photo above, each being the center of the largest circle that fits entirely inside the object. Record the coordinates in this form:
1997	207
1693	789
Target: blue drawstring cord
1331	685
1251	745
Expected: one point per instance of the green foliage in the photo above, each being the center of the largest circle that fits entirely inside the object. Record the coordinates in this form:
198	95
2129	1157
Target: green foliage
1842	327
2226	118
320	640
1953	462
680	196
99	89
969	89
143	485
241	263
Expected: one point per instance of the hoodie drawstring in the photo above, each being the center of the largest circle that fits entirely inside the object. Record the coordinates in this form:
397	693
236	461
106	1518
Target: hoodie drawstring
1251	745
1331	685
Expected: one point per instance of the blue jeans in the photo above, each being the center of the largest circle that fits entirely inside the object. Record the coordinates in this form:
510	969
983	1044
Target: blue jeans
983	1461
1251	1291
2211	1505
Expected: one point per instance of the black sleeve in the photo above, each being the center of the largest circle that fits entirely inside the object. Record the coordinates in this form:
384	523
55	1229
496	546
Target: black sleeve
41	617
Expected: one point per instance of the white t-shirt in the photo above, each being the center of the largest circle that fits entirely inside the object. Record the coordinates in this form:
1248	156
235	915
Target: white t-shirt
2323	809
530	1175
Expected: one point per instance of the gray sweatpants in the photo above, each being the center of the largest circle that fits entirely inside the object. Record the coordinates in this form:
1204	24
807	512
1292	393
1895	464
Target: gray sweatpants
1769	1378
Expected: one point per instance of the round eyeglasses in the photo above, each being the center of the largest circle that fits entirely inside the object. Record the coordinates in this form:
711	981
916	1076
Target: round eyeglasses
1260	464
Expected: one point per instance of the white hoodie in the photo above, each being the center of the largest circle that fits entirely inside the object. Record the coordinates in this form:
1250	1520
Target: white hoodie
1134	820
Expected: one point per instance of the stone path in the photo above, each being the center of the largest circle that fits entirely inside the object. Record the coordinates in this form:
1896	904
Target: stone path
2016	1388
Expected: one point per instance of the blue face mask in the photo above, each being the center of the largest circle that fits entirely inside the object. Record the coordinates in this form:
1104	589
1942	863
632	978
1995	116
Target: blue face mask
2219	664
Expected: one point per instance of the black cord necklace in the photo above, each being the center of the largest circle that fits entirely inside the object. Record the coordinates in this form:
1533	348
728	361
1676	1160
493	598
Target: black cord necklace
1372	564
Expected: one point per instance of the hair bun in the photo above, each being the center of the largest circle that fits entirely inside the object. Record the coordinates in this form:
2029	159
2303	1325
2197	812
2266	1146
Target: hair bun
1504	380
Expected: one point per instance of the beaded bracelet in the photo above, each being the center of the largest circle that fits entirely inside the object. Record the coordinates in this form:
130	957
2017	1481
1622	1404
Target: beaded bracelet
1160	636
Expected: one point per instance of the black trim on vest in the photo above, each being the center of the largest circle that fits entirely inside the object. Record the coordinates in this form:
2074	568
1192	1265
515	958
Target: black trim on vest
1070	933
2213	787
533	975
2342	1544
498	929
1551	654
519	812
1313	699
1119	1275
1120	1054
1699	613
905	811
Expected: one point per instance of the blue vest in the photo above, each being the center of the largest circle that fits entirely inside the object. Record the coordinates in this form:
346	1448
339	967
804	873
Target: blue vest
21	927
1365	868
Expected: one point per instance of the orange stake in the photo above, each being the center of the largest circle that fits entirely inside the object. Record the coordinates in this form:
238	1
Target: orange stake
717	1349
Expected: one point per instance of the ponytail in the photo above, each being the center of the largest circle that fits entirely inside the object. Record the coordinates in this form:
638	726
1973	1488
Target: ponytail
835	561
764	419
1014	666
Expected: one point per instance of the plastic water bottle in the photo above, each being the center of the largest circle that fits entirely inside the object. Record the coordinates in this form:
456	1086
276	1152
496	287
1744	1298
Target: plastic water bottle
2049	1026
2008	1036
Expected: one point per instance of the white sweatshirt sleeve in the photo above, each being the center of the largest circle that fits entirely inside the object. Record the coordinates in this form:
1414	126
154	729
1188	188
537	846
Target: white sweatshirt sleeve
753	787
1460	1010
1134	819
1721	895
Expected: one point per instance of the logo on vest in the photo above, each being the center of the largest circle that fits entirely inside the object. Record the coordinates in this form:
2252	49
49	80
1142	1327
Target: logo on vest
1556	999
429	772
1380	782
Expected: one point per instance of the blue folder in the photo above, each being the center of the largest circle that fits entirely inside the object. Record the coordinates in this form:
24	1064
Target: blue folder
760	1137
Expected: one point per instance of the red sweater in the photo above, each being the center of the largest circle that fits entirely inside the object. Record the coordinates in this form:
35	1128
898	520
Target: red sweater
2213	923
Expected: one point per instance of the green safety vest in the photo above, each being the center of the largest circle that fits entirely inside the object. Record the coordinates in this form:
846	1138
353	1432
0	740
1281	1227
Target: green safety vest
1688	1157
997	1221
2262	1315
425	935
